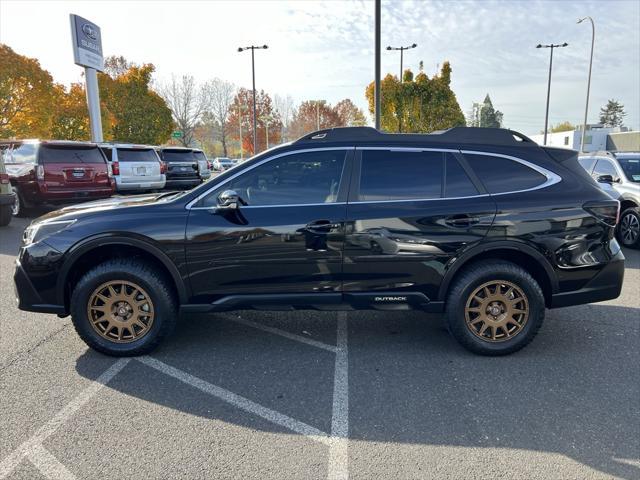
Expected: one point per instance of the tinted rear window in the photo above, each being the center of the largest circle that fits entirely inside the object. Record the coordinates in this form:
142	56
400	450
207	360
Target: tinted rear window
177	156
394	175
136	155
200	156
60	154
500	175
457	182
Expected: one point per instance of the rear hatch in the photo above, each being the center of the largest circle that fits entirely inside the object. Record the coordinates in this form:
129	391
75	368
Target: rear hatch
180	163
73	167
139	165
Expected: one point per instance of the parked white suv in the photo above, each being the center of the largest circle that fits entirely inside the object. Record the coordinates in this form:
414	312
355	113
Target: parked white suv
223	163
136	168
204	165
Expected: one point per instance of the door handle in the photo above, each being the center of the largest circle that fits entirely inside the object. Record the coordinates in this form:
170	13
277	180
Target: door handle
321	226
461	221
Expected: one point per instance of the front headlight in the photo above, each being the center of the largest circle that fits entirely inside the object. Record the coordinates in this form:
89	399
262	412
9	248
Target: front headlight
39	231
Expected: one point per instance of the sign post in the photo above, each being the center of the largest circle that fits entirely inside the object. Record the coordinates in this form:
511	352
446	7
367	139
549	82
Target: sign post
87	52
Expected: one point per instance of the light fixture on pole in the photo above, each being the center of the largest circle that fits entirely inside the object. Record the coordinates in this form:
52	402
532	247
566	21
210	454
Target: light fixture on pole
546	115
253	48
586	105
402	49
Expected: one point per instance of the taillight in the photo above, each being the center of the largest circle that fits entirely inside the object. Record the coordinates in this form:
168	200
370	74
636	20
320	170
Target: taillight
607	211
115	168
209	165
163	167
40	172
4	178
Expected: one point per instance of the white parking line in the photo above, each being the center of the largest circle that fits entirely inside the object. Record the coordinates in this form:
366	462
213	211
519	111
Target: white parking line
238	401
33	446
49	465
283	333
338	450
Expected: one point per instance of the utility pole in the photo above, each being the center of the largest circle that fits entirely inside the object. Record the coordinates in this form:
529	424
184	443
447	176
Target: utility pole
253	48
240	125
377	69
546	115
586	105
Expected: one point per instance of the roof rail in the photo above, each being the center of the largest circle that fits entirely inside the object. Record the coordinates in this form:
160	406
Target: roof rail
469	135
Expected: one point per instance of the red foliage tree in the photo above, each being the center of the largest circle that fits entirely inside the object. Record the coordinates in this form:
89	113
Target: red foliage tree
241	111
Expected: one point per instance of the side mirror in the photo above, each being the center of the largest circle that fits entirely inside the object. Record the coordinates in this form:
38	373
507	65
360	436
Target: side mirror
605	179
230	200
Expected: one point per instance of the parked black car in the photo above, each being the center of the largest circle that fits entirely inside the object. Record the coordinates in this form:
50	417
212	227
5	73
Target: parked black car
182	170
482	224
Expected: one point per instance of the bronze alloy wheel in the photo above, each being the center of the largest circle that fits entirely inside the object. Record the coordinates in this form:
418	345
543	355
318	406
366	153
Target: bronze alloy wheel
120	311
497	311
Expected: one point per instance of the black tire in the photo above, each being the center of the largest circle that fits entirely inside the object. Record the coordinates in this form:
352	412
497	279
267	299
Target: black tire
151	279
477	275
5	215
628	231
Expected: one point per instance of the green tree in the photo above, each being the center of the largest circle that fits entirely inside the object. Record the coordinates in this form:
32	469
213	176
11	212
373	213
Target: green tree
562	127
485	115
27	96
137	113
612	114
417	105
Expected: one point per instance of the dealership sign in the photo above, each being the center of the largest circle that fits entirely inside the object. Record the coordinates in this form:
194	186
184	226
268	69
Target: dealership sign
87	43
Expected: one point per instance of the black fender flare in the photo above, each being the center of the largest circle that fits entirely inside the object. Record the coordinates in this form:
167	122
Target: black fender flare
91	243
483	248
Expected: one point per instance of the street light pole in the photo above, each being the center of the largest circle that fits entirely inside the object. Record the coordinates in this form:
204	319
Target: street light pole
402	49
240	125
317	115
376	85
253	48
546	115
586	105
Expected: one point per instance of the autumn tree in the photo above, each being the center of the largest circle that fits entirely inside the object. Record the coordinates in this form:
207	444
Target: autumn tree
349	114
562	127
137	114
71	116
417	105
241	112
612	114
314	115
188	102
27	96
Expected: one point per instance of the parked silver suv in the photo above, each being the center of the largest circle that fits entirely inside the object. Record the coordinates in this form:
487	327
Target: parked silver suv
204	165
618	173
136	168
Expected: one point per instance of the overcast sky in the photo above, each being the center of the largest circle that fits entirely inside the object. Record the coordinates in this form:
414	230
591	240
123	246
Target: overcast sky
324	50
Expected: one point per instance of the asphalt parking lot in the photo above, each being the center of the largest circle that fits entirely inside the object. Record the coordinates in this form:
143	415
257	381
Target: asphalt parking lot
322	395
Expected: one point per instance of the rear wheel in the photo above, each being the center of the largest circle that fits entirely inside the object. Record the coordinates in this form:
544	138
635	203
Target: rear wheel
629	228
495	308
123	308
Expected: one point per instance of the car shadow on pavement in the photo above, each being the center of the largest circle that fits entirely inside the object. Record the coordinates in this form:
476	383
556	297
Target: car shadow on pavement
572	392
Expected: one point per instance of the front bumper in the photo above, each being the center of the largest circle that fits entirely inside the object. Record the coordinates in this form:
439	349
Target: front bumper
606	285
28	297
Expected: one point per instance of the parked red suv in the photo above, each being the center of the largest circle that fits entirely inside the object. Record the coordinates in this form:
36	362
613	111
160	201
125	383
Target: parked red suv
56	172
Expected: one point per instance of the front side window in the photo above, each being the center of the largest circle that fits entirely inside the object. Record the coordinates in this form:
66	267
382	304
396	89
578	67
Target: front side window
631	168
605	167
501	175
296	179
400	175
66	154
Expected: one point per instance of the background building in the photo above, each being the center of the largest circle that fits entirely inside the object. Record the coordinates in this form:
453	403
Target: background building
597	138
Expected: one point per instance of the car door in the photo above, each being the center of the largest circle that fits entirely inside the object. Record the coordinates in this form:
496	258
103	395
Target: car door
604	166
410	211
285	238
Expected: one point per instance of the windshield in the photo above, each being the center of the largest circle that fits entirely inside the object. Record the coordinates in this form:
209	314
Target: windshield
136	155
178	156
631	168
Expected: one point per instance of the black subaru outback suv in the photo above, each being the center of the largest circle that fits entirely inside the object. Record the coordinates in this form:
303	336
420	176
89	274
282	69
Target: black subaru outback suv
481	224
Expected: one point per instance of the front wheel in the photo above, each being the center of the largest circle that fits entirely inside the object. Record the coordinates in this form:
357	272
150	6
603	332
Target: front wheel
123	308
495	308
629	228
